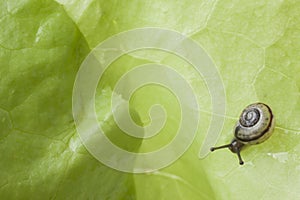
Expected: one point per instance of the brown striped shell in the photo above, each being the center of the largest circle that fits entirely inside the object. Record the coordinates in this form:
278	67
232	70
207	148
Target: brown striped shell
255	125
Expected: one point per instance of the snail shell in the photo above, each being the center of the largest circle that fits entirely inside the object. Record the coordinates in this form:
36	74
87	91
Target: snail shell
255	125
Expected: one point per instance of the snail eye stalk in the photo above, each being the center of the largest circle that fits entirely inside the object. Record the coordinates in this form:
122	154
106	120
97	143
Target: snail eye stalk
220	147
240	158
234	147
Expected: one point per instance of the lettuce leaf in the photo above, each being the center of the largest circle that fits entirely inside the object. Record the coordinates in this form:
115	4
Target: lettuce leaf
254	44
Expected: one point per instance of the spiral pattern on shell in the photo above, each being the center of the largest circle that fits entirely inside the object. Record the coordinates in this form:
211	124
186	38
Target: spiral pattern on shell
255	125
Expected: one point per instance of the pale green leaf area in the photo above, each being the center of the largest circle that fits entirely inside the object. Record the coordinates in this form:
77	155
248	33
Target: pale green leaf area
254	44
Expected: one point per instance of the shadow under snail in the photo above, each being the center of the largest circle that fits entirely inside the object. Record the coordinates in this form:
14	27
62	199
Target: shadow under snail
255	125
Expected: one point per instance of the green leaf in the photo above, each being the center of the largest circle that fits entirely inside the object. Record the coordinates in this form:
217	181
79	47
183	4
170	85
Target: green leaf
254	44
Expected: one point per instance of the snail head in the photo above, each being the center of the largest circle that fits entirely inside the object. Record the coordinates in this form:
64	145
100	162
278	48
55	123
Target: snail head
235	147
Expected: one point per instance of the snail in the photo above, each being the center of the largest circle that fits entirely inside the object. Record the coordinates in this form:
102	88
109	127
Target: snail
255	125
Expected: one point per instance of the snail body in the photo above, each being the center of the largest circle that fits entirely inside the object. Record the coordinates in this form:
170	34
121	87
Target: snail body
255	125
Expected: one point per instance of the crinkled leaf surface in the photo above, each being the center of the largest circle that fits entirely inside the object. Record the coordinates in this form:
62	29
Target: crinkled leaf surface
256	48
